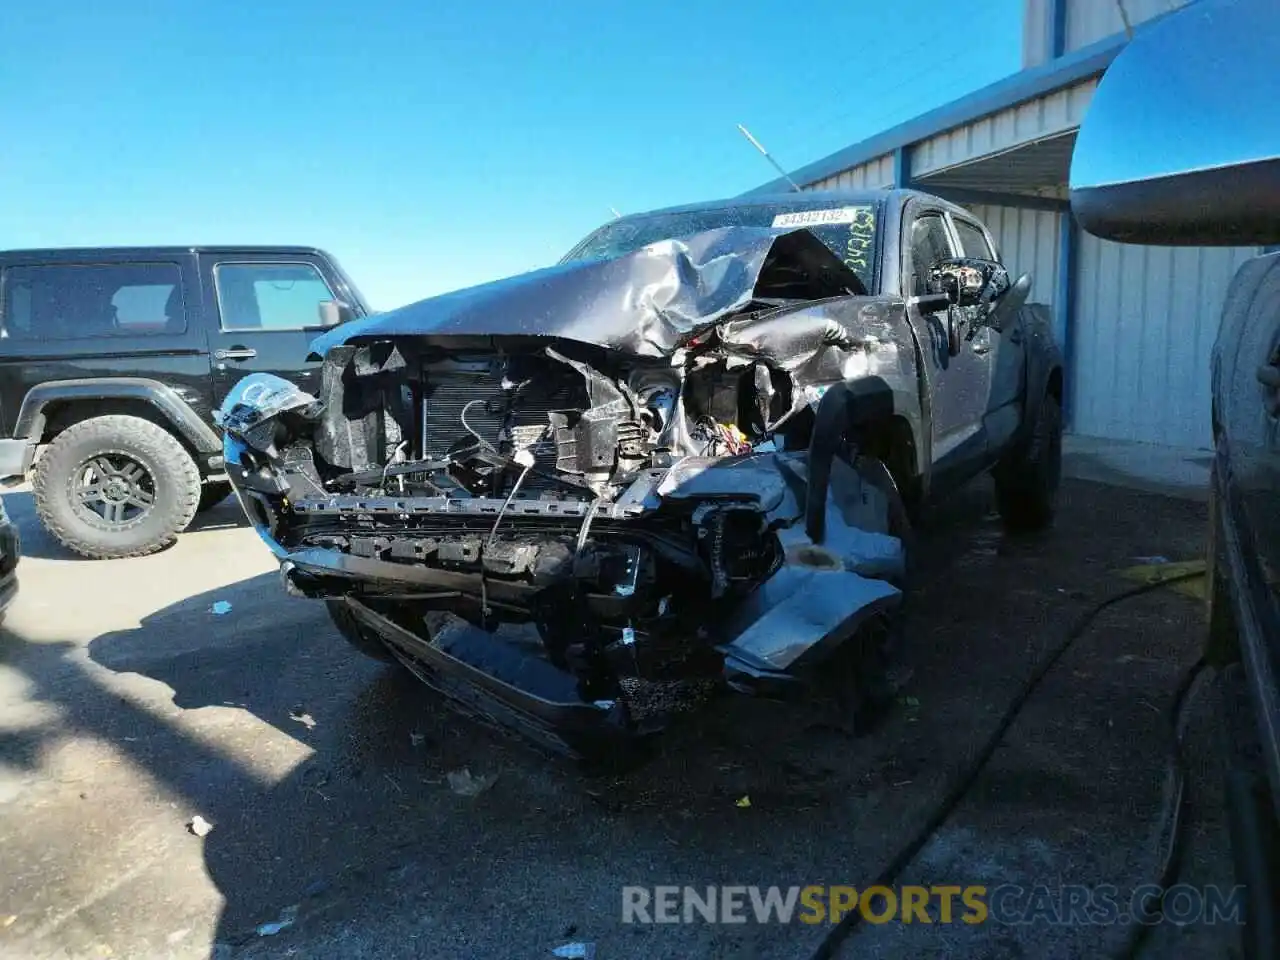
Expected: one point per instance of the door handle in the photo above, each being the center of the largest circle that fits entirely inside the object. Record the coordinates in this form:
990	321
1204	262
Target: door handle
235	353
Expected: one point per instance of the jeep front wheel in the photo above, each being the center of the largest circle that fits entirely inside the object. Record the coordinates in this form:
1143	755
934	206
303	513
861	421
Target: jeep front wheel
115	486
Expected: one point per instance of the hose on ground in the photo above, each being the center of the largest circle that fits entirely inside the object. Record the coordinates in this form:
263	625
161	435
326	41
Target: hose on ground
962	786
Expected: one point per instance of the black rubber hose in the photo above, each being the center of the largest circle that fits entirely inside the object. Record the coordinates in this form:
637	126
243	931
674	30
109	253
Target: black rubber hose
965	783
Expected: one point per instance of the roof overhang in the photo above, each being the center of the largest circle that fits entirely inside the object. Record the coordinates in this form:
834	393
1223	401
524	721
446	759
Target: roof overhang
1036	170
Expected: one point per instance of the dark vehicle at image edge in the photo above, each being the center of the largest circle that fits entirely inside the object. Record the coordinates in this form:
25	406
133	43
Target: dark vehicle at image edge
1172	152
681	459
112	361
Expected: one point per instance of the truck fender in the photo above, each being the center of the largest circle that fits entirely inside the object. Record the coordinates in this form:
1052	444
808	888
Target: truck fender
1043	362
170	405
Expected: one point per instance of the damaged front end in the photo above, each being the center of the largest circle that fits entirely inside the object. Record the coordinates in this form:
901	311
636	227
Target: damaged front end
615	476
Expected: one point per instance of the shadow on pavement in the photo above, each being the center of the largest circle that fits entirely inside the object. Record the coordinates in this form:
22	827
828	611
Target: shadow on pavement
364	845
38	542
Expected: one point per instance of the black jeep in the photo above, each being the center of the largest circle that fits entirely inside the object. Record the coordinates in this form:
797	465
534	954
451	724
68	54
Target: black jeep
112	361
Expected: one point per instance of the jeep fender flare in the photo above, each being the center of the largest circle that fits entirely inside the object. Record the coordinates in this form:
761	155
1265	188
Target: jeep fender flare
174	410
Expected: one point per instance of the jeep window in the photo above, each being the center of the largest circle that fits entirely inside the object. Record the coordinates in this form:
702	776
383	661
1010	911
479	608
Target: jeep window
850	230
973	242
928	244
269	296
66	302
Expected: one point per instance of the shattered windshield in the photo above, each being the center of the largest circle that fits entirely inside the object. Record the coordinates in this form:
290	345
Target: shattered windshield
849	230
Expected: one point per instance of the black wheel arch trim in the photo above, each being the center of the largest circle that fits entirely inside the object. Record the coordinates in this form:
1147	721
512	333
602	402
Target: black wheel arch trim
1043	359
166	400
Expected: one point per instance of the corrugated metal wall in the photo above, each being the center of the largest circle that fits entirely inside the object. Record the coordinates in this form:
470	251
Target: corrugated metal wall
1087	22
1146	318
1027	241
1091	20
1046	116
867	176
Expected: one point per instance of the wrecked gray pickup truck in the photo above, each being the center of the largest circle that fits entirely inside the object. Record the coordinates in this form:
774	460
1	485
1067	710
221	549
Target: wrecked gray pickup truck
684	456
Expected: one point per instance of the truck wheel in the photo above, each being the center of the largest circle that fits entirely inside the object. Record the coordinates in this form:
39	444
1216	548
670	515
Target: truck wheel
115	486
355	633
212	494
1027	478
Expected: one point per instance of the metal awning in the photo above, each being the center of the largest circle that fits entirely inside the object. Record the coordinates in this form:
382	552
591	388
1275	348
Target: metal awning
1038	168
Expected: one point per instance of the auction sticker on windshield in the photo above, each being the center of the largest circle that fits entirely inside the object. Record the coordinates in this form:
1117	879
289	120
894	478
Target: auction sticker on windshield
809	218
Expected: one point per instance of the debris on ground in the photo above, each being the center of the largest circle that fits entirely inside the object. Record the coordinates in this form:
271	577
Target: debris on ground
302	717
416	739
465	784
742	802
575	951
287	916
9	921
1151	561
199	826
220	607
1193	587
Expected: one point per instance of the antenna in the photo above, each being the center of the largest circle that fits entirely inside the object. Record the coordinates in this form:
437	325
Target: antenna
616	214
1124	16
756	143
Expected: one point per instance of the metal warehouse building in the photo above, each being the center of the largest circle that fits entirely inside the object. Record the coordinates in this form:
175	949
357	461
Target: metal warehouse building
1136	323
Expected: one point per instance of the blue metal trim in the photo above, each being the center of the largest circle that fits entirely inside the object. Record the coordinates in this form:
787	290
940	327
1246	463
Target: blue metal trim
901	168
1065	310
1057	28
994	198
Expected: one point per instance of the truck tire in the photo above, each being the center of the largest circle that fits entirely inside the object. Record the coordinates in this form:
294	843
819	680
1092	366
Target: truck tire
212	494
1027	478
355	633
115	486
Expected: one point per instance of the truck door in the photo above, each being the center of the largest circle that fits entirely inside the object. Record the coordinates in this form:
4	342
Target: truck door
1005	350
960	385
263	311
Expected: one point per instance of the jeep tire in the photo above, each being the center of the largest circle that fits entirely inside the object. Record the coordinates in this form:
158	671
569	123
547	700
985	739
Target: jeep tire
1028	477
115	486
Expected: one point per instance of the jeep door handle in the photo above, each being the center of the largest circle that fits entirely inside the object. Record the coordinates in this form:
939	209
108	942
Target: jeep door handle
980	347
235	353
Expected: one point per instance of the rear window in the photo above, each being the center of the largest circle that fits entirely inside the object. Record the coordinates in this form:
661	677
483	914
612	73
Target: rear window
72	301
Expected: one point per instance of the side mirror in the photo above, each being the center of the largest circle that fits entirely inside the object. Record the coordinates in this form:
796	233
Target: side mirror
1175	148
334	312
968	281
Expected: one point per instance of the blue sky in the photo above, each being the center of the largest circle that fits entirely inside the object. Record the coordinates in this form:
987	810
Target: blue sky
431	146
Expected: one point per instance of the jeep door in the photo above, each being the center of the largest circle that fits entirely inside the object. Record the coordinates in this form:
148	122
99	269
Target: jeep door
264	311
71	315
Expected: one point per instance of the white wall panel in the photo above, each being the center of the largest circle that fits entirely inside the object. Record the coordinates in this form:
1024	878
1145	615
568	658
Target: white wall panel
1028	243
1146	318
1046	116
867	176
1090	20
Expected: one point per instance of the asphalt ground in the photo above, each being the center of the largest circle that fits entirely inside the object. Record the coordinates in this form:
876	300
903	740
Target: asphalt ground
128	707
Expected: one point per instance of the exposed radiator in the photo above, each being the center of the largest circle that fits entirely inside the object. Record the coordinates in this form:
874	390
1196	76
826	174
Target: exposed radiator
451	392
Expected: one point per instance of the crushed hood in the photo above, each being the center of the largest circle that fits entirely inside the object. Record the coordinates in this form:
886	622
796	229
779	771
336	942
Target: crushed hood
647	302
